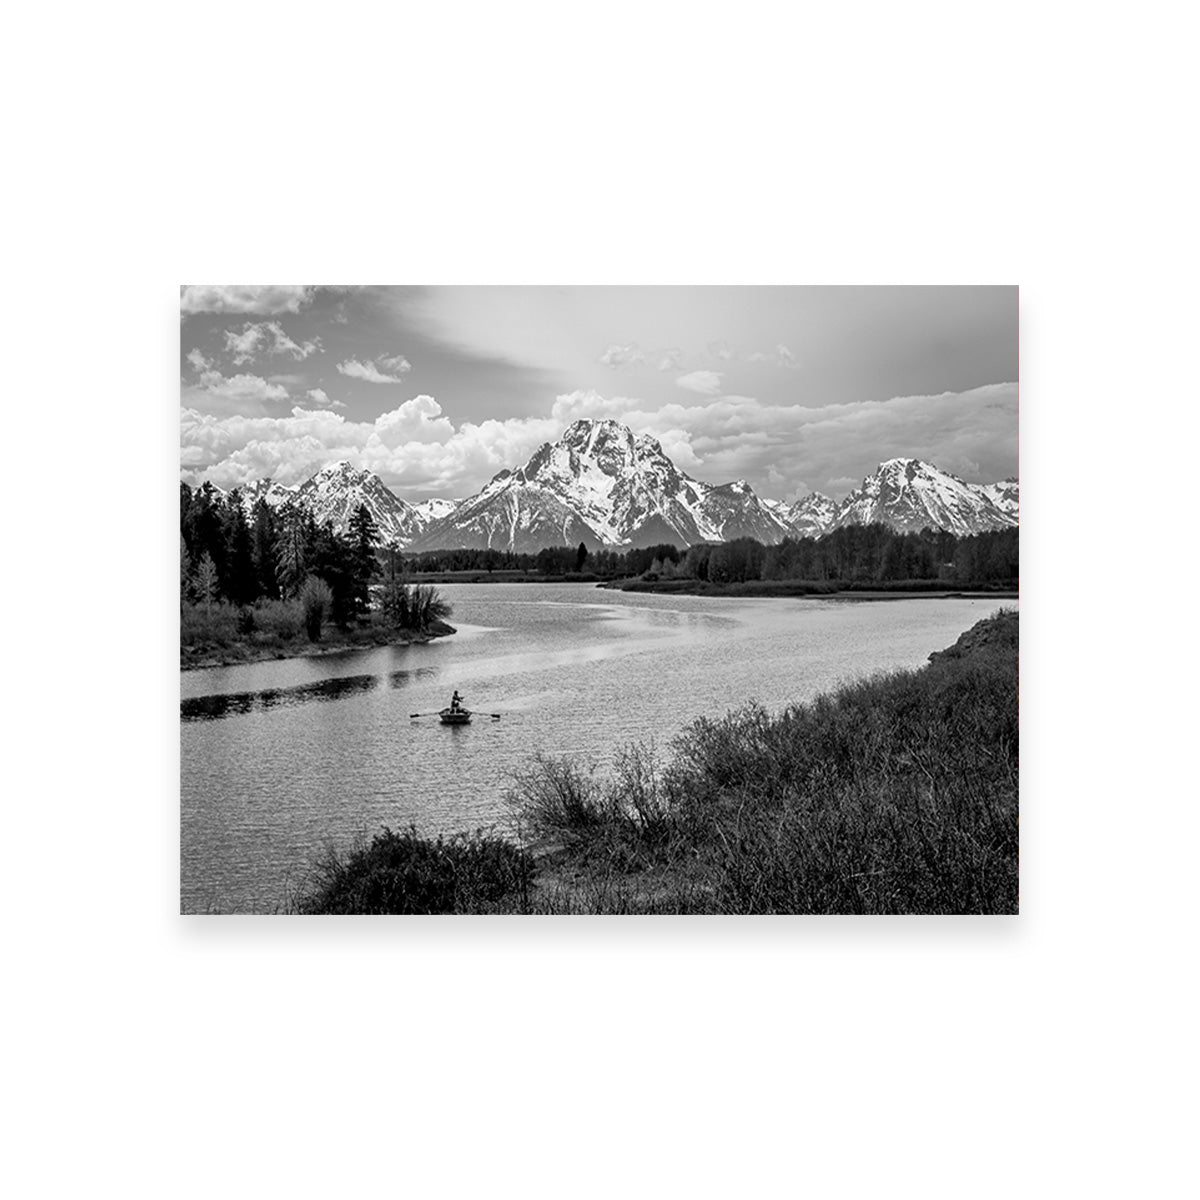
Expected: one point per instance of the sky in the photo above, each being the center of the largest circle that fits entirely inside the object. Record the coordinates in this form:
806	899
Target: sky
795	389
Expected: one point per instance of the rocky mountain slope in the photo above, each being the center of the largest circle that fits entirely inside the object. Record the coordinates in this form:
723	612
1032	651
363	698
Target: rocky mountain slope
910	495
602	485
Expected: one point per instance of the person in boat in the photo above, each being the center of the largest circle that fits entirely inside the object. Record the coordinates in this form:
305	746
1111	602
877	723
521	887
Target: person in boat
456	702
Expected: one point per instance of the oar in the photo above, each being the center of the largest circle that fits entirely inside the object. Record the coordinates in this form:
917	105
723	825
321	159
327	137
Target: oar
494	716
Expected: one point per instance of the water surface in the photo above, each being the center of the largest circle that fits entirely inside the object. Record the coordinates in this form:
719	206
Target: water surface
280	758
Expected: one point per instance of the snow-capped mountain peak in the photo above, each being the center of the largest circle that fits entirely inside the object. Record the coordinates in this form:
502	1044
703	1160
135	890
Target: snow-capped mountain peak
603	485
909	495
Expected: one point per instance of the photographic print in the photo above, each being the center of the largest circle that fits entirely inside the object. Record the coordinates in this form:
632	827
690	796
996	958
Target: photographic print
599	600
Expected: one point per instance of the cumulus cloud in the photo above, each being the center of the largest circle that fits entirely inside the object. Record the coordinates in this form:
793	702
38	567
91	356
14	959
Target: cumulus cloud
413	447
270	338
371	371
575	406
622	356
198	361
222	393
707	383
784	450
669	360
257	301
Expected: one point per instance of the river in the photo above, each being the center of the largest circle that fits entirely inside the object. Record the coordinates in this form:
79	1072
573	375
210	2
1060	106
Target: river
280	758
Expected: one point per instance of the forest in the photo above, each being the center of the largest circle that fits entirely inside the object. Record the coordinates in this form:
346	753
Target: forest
267	585
854	554
272	583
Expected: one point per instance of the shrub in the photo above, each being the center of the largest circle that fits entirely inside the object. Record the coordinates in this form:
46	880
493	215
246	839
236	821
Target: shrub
281	618
557	798
404	873
315	600
246	623
897	794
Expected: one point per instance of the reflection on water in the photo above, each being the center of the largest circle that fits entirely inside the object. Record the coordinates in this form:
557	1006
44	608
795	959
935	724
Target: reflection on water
224	704
207	708
281	758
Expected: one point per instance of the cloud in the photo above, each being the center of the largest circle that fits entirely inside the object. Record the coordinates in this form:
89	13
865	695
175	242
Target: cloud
370	372
721	350
319	396
707	383
198	361
781	356
575	406
268	336
413	447
784	450
257	301
622	356
669	360
217	393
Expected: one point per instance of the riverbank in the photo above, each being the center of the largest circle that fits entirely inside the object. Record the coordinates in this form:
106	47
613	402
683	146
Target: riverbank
266	645
927	589
513	576
898	794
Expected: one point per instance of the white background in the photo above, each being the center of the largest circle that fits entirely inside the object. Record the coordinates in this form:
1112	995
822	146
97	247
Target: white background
1047	145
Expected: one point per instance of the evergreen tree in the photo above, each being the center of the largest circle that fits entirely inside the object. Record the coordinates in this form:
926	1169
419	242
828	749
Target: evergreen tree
364	536
580	556
263	537
331	557
241	576
291	553
395	592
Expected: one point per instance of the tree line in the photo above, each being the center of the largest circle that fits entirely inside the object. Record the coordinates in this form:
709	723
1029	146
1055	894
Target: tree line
852	554
285	555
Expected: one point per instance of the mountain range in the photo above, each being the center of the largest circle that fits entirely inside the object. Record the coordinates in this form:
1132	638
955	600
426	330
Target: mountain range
607	487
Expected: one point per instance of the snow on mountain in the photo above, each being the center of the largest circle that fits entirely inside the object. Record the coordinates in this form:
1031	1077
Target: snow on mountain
910	495
602	485
811	515
434	509
605	486
335	492
1005	495
275	494
733	510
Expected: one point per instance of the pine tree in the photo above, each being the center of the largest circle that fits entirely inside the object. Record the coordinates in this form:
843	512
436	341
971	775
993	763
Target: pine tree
395	592
364	536
291	553
263	537
241	577
580	556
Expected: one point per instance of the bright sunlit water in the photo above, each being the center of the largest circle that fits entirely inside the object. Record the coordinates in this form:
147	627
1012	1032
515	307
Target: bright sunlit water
281	758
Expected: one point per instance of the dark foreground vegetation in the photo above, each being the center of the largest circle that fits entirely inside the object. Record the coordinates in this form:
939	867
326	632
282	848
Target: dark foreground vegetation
279	584
894	795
